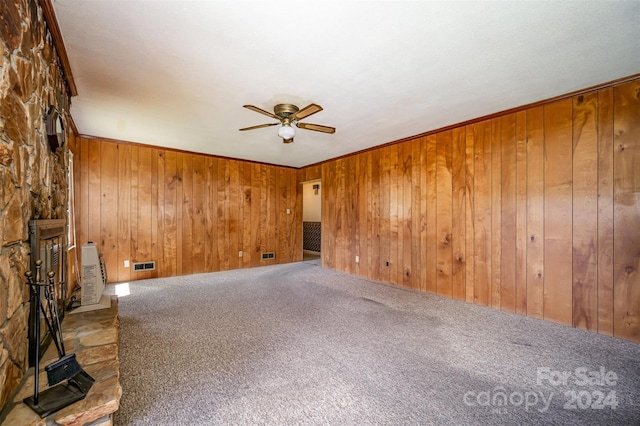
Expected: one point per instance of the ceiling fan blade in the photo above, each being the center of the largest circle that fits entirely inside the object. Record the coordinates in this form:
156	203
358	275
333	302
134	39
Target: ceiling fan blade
261	111
306	111
317	127
260	126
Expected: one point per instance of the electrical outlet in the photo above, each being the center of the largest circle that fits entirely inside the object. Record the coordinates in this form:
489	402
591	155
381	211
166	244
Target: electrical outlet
126	263
240	253
357	259
288	211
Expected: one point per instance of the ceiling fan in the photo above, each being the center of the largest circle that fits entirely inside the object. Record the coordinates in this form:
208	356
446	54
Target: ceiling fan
289	116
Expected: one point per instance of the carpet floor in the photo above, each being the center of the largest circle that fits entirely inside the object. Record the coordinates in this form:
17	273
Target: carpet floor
298	344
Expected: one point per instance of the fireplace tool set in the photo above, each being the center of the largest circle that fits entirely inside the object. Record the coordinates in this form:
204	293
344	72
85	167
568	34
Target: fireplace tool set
68	382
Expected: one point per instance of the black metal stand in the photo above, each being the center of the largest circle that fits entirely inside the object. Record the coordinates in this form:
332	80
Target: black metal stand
66	368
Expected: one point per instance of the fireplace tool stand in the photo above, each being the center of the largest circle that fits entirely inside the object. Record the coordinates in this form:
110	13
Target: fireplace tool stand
78	382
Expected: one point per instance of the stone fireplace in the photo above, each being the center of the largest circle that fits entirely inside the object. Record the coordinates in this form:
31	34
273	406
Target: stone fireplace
33	178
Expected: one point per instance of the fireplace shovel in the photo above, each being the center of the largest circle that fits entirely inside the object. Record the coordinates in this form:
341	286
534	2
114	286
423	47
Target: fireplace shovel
67	366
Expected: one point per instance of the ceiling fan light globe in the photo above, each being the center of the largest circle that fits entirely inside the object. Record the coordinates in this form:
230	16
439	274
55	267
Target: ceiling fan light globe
286	132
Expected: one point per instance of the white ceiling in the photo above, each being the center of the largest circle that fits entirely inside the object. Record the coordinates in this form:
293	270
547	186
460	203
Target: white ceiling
176	73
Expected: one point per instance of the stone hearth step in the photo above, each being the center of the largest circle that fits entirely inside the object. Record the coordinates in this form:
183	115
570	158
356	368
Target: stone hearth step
93	337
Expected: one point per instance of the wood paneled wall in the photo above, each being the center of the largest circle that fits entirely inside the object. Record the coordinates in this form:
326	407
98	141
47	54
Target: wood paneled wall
535	212
190	213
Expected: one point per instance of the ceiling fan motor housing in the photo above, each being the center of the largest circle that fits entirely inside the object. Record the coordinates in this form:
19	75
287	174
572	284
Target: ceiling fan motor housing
285	110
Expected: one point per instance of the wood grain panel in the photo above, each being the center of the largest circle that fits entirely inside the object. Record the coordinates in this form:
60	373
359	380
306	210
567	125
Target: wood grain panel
521	212
124	213
170	248
585	212
187	212
109	208
458	214
375	259
247	253
432	197
558	212
416	213
443	213
423	215
385	209
626	183
469	214
179	212
406	217
508	213
198	219
535	212
482	213
605	212
395	190
496	213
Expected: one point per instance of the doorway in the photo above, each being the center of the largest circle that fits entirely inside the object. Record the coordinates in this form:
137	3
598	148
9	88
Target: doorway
311	221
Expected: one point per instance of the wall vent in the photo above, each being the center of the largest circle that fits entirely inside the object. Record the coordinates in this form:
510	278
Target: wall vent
144	266
268	256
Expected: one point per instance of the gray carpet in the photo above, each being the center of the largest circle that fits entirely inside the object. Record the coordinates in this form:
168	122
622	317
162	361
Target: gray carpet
298	344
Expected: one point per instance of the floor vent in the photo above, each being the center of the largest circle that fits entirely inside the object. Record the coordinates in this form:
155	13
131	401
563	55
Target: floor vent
268	256
144	266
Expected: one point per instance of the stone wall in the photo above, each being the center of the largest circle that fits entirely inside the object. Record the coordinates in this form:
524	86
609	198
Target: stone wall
33	180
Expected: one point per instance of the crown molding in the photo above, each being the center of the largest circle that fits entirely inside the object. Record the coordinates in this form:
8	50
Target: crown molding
56	35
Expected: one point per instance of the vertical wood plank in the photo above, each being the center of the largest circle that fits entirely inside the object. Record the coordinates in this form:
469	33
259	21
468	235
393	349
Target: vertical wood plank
385	218
496	212
135	208
444	213
234	216
124	212
394	193
155	208
432	198
605	212
405	271
585	211
256	210
247	253
211	215
328	214
558	212
423	214
179	212
375	260
222	204
626	183
535	212
482	213
170	215
416	213
458	202
469	214
85	196
94	179
521	212
271	209
109	207
508	214
199	226
187	250
145	217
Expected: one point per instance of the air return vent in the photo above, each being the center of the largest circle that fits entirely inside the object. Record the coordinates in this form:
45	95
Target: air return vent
268	256
144	266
